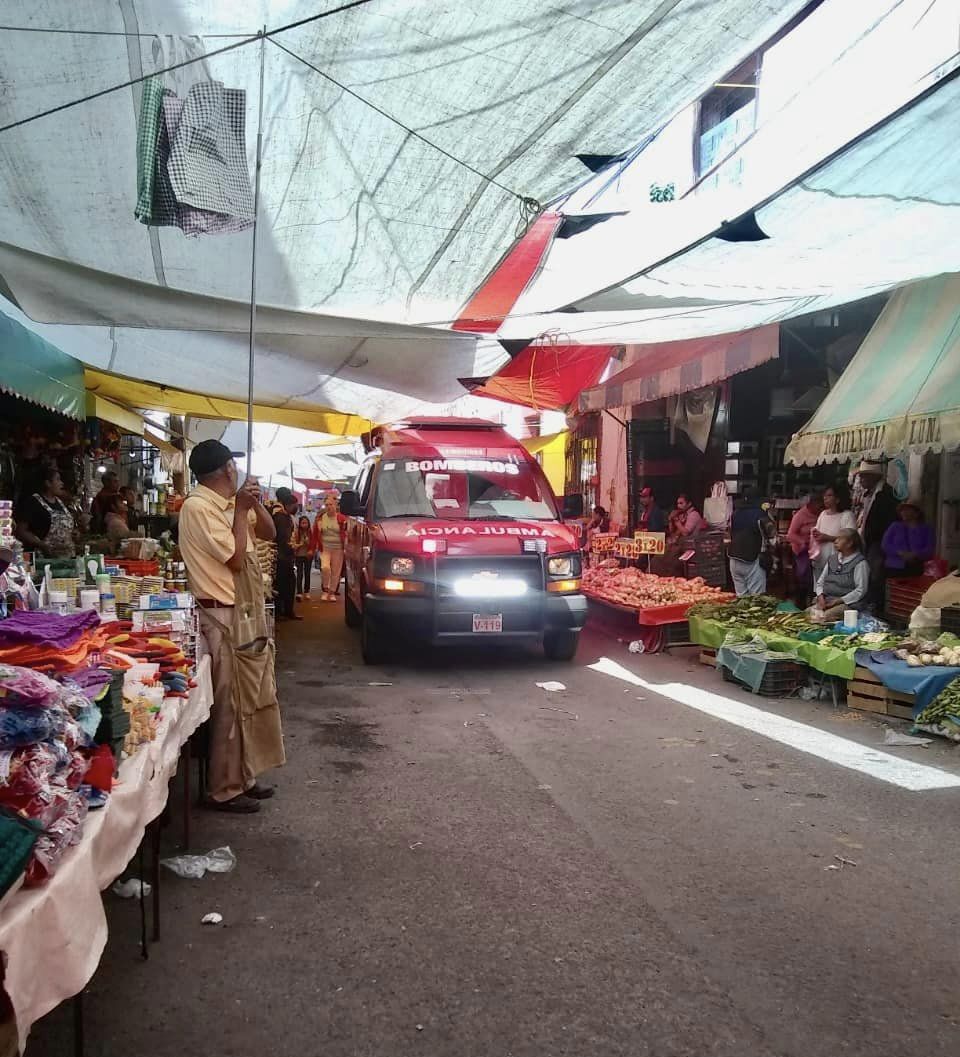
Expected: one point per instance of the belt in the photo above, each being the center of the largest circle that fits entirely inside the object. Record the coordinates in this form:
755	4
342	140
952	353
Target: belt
212	603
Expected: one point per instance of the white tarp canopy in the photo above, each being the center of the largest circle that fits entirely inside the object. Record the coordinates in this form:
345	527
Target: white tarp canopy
360	217
853	178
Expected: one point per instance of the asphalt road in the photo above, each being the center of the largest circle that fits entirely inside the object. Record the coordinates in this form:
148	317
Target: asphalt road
461	863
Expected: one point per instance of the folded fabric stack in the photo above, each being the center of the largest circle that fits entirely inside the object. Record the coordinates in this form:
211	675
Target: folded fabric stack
50	642
192	159
43	731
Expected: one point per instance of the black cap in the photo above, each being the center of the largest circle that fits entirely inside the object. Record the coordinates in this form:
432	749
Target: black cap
209	456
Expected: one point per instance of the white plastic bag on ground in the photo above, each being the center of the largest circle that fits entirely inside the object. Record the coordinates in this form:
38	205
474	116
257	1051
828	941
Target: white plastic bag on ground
894	737
219	860
551	687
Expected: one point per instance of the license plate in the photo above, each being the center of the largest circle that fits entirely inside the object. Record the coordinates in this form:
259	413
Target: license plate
483	623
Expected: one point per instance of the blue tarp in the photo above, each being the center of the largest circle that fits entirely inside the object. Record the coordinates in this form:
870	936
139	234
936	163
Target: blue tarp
924	683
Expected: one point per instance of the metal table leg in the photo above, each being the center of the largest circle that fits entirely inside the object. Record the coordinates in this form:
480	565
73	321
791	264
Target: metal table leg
155	878
185	762
78	1032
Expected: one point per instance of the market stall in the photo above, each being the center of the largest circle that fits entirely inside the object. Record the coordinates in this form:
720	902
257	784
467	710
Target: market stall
52	937
658	605
101	686
908	675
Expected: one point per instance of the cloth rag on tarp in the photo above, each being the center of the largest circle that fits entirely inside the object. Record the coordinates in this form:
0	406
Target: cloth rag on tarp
747	661
924	683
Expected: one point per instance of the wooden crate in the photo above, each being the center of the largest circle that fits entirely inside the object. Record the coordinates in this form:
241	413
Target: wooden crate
708	656
867	693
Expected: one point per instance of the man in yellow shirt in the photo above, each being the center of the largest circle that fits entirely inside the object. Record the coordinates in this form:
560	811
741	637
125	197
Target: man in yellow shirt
217	528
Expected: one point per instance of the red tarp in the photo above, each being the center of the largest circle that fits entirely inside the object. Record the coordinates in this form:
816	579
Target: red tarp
547	377
490	305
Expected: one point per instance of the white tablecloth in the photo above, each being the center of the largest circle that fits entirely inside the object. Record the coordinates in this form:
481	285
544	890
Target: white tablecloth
52	937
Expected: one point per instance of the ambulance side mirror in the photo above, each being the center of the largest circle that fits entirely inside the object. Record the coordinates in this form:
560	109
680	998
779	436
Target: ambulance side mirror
572	507
350	504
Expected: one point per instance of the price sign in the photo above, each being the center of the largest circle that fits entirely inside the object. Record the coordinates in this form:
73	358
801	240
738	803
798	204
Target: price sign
651	542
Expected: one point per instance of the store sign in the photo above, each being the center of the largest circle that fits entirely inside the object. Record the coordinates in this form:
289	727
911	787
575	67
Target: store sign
651	542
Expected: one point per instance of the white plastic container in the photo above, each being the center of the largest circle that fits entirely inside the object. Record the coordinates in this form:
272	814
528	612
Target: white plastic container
850	619
90	598
59	602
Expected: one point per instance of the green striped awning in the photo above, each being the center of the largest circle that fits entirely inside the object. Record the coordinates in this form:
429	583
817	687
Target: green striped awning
901	391
35	370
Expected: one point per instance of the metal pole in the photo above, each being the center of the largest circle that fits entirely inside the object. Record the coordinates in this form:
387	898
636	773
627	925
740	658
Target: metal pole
253	262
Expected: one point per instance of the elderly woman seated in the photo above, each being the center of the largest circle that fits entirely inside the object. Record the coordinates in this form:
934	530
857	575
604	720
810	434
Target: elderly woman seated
844	579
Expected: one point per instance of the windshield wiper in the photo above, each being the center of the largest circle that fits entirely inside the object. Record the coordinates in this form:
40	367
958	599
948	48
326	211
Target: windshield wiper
493	517
419	517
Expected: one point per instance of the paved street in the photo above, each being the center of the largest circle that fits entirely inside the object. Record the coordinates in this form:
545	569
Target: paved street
460	863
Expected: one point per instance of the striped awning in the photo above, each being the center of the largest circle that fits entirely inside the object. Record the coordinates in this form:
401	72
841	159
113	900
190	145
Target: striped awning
673	367
901	391
39	372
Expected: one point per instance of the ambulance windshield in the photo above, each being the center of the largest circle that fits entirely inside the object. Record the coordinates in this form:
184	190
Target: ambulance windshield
472	489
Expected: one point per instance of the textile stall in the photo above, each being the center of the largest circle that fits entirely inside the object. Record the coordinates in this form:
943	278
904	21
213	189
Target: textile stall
53	937
101	686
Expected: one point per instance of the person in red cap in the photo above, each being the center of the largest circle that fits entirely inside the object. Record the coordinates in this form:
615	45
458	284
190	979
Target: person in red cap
217	528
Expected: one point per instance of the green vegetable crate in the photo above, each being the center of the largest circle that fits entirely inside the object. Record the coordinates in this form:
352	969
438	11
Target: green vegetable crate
866	693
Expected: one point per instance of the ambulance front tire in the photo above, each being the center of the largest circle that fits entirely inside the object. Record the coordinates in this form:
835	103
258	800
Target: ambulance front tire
373	646
351	614
561	645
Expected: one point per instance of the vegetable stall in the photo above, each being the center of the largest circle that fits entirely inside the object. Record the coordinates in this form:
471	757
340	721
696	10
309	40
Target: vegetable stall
884	671
658	604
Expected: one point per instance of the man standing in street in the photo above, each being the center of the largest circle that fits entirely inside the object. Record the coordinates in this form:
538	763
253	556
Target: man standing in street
876	512
286	528
110	486
217	527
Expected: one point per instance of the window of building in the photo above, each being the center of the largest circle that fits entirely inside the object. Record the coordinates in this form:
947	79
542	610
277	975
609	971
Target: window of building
727	116
728	112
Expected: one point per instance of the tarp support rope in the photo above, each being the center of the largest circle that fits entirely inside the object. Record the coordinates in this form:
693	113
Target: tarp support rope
528	206
178	65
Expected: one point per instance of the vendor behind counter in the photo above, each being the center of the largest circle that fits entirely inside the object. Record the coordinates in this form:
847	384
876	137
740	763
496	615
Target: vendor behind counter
43	521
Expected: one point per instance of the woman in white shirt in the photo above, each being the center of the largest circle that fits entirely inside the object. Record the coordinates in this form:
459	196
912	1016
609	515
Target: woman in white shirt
835	518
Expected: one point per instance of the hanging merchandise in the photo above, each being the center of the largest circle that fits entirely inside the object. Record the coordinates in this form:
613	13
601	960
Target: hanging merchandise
191	160
692	413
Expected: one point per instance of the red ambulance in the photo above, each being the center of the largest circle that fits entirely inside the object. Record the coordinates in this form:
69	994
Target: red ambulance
454	536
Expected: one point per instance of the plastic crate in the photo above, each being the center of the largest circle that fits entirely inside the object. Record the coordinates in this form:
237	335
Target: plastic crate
903	596
950	619
780	678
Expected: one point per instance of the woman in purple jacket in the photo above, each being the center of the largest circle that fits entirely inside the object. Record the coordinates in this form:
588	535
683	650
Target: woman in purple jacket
908	542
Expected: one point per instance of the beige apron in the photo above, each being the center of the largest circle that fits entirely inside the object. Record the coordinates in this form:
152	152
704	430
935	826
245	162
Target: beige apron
256	709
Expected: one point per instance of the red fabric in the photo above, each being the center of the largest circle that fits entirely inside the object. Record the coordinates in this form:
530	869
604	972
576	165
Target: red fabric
491	304
548	377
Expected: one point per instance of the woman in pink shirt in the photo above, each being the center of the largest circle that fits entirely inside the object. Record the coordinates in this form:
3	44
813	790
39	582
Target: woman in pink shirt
798	536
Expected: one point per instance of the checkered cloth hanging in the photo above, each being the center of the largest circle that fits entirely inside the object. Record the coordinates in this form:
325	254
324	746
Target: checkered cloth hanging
201	157
208	155
148	132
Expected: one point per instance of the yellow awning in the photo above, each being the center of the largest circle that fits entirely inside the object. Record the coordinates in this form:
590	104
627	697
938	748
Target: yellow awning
181	402
100	407
551	453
